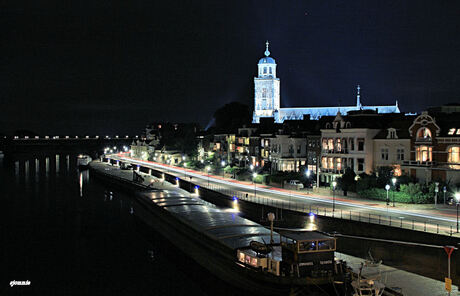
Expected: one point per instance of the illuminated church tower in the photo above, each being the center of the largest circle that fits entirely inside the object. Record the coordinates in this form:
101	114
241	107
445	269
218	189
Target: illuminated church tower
266	89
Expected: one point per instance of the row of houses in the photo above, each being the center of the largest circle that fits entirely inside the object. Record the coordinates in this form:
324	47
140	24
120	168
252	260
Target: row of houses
425	146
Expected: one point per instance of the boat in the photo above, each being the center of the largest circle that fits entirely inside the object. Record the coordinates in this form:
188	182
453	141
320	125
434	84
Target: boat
229	246
369	285
83	161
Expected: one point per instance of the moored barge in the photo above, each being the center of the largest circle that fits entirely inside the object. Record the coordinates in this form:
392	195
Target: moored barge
237	250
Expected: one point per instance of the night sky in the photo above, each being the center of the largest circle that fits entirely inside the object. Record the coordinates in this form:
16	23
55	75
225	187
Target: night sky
111	67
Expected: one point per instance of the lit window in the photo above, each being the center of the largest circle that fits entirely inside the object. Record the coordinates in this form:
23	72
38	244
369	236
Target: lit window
330	144
424	133
324	162
324	144
423	153
339	163
330	163
453	154
339	145
452	131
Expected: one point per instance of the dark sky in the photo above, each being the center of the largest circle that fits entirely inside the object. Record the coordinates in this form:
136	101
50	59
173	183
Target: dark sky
111	67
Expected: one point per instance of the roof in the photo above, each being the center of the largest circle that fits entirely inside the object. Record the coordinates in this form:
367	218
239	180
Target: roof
267	60
304	235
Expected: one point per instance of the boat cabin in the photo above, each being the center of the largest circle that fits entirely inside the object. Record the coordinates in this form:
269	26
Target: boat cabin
307	253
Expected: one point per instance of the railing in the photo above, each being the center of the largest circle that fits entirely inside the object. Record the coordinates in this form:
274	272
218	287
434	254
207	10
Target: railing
304	207
419	163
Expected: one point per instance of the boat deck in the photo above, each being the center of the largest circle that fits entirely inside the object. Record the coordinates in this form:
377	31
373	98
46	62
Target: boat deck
224	225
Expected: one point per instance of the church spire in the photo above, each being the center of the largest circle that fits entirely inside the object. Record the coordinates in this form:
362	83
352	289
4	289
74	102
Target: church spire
358	101
267	53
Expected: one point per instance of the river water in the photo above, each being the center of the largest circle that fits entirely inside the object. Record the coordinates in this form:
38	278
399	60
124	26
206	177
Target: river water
69	234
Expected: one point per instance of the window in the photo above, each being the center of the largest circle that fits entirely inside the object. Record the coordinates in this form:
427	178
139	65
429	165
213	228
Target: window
339	163
391	134
339	145
270	70
265	70
264	93
384	154
451	131
299	148
352	144
330	163
360	164
324	144
424	134
453	156
361	144
324	162
400	154
330	144
423	153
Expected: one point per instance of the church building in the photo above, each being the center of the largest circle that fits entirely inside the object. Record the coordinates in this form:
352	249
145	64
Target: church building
267	98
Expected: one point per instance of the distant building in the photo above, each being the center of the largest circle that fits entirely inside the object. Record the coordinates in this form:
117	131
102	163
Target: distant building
267	101
435	146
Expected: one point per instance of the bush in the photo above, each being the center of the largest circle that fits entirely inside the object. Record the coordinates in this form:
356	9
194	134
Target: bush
410	193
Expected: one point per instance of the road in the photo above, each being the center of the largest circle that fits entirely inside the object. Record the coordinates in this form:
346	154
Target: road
434	220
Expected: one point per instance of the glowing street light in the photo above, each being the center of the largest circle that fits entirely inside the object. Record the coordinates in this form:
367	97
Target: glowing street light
387	187
308	173
393	180
223	166
334	183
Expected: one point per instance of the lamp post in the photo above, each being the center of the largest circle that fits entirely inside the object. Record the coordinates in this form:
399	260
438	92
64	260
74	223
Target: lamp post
307	174
254	181
444	189
208	169
394	189
223	167
334	183
271	218
436	190
457	198
387	187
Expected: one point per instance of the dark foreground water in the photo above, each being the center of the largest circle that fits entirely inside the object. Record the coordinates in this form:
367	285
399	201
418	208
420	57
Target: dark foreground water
69	234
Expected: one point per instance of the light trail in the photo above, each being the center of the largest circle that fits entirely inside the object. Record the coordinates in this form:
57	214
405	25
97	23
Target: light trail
285	194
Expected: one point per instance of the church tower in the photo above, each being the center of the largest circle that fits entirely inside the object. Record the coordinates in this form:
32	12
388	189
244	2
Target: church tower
266	89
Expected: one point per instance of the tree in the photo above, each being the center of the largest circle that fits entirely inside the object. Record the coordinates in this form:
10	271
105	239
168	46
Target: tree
347	181
232	116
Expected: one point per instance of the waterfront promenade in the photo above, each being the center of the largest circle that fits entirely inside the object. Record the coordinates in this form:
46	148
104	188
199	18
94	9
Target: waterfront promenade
440	220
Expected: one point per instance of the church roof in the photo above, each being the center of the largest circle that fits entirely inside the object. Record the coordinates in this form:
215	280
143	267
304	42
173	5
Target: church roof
267	60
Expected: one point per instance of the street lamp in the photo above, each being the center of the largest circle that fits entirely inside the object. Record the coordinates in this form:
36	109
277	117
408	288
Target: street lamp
308	173
436	190
444	189
387	187
208	169
394	185
334	183
254	181
251	167
457	198
223	166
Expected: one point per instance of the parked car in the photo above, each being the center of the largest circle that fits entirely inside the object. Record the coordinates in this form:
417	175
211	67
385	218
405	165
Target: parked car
296	184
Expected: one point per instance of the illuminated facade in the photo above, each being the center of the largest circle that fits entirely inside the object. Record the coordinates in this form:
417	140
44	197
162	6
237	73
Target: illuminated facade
435	147
267	101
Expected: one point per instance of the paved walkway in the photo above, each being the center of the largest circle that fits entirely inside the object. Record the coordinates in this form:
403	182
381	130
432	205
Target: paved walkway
409	284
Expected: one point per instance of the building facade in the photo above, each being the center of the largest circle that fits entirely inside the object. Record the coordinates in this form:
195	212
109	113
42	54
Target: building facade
267	102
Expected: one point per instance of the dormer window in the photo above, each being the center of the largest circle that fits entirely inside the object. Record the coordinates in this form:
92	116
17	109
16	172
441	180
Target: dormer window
392	134
424	134
348	124
328	125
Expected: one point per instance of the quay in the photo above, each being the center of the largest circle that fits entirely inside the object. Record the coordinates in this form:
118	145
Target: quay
398	282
